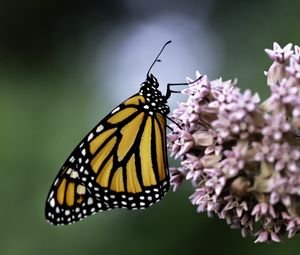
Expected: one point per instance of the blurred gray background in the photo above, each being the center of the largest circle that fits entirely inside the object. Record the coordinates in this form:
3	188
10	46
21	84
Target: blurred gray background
65	64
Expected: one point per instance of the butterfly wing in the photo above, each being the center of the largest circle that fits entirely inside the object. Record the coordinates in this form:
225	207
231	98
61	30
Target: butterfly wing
69	199
121	163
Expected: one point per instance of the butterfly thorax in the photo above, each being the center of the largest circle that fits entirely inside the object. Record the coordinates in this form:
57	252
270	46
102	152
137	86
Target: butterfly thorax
155	101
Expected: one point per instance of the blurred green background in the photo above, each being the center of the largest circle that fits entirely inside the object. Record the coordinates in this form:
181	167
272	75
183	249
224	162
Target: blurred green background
65	64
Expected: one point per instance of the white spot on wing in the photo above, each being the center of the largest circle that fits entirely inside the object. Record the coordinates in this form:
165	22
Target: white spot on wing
91	135
90	201
52	202
56	181
80	189
74	175
115	110
99	128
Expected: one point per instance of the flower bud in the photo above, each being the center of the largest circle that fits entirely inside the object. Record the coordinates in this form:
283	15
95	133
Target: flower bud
239	187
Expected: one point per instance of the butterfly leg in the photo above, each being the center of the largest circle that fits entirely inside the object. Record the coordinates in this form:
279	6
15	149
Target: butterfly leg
170	119
169	85
169	91
170	128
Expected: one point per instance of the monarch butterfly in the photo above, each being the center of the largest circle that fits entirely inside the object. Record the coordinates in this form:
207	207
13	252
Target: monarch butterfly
121	163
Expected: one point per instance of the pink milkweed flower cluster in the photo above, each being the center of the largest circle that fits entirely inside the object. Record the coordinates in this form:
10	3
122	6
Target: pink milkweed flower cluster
242	155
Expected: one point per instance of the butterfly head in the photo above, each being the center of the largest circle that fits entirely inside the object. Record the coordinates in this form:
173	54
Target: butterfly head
152	80
155	101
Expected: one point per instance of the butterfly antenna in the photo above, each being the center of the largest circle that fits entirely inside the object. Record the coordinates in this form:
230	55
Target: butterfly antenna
156	59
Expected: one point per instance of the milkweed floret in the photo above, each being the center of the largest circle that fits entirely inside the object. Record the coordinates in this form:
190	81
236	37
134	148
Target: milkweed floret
242	155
